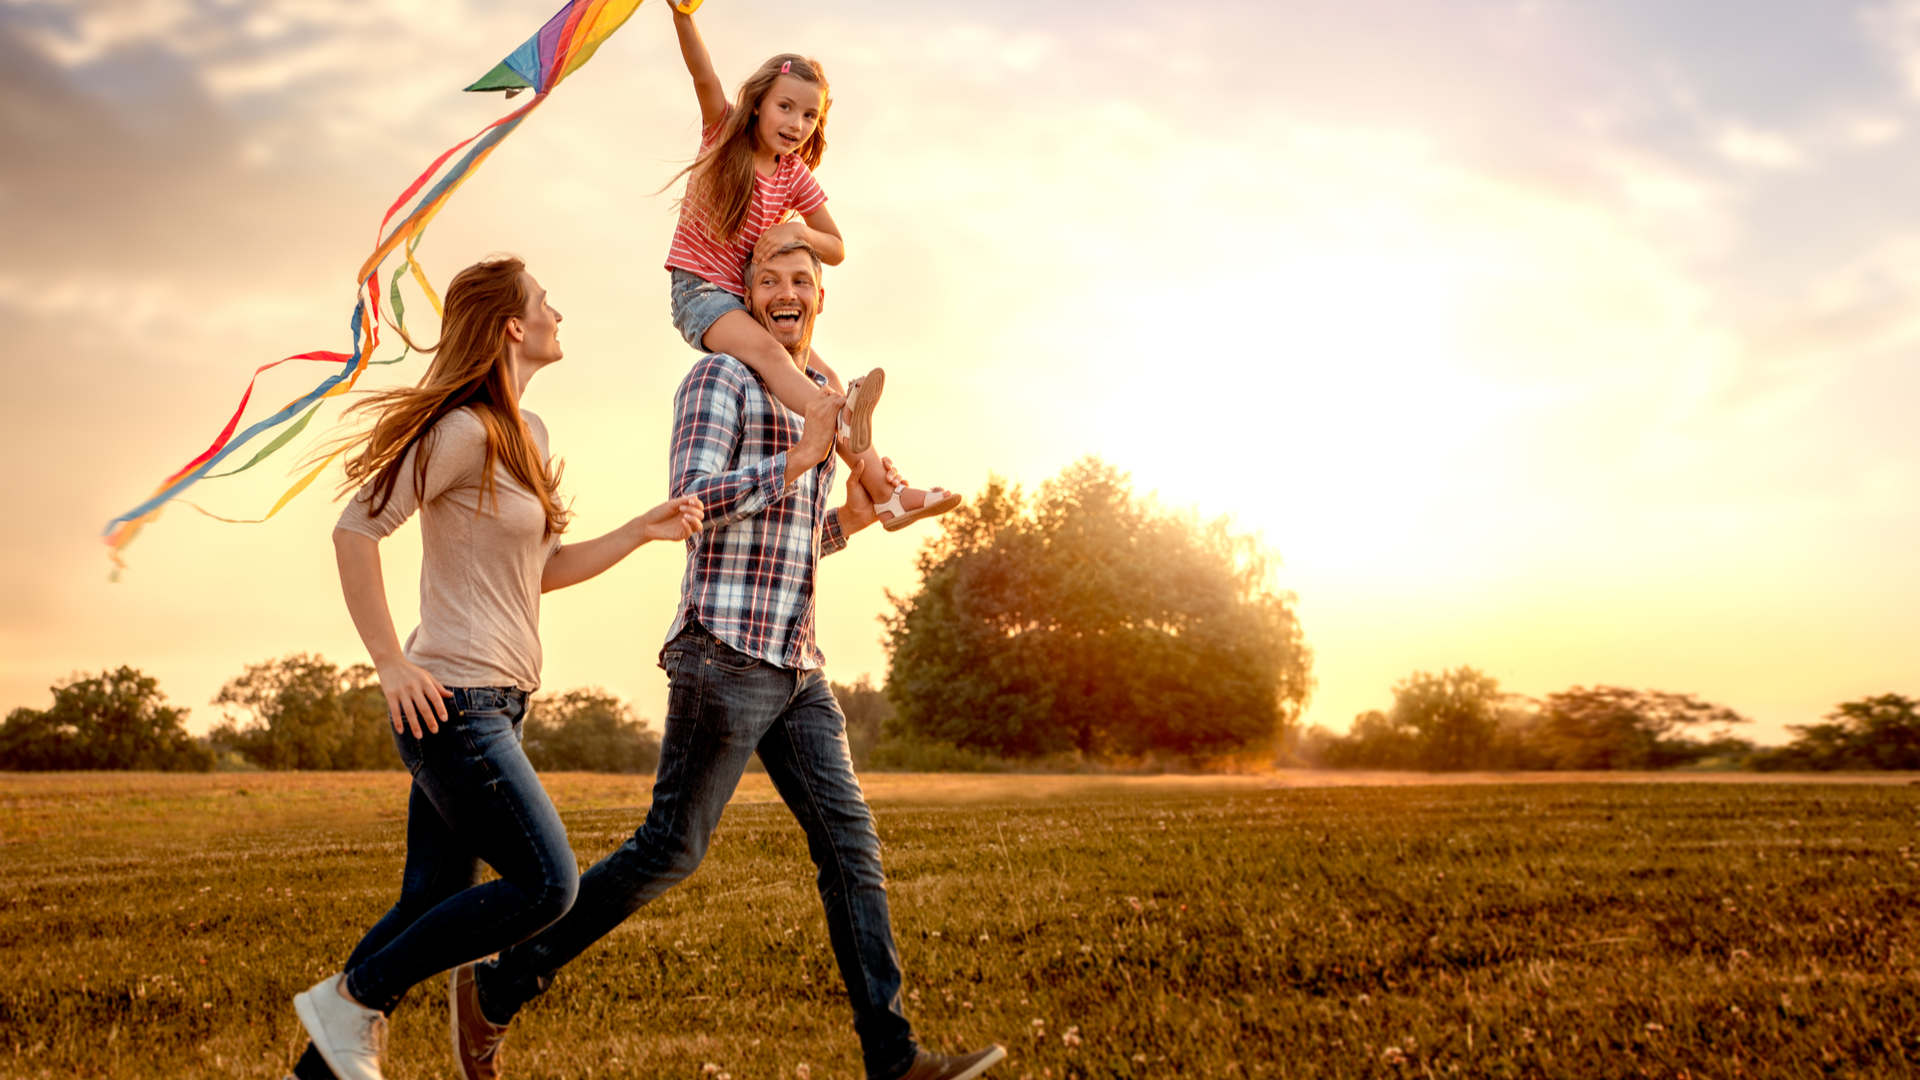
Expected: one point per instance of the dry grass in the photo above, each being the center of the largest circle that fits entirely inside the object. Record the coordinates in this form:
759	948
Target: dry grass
1248	927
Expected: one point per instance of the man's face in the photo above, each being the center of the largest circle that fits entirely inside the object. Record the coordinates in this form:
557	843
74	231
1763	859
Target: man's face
785	295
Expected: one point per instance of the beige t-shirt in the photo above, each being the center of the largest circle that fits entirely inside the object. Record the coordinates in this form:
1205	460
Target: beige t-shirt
481	565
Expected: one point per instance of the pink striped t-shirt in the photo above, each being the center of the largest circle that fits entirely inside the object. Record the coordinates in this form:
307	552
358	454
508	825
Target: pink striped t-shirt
791	187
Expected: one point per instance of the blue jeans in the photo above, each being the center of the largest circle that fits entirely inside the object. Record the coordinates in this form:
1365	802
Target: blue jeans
698	304
475	799
722	705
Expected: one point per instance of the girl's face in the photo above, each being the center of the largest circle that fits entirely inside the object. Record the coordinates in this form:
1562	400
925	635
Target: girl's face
788	114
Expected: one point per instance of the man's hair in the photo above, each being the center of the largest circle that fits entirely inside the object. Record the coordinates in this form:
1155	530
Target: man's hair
787	248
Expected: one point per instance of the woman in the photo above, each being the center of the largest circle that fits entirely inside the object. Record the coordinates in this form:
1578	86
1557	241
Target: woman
459	449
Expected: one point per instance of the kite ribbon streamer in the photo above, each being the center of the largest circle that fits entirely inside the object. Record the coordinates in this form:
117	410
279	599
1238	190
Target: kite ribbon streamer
562	46
121	530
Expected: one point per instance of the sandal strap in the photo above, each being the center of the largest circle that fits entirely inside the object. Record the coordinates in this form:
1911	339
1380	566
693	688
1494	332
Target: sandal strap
893	505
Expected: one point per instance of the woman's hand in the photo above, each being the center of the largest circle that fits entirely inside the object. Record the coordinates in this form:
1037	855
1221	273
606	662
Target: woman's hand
675	519
414	696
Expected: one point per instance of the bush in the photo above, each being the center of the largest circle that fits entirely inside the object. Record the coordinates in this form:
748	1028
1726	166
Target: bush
1872	733
868	711
1461	720
302	712
114	720
589	730
907	754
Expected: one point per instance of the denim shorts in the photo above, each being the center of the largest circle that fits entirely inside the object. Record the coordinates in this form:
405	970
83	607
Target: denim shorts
698	304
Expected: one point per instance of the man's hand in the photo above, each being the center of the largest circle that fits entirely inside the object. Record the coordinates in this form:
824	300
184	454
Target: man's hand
858	511
675	519
816	438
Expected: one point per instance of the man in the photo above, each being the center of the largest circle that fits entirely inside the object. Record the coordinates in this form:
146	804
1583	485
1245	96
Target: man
744	674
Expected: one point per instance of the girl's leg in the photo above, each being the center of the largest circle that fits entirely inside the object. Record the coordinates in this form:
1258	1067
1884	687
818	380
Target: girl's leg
439	865
883	486
913	500
478	779
740	336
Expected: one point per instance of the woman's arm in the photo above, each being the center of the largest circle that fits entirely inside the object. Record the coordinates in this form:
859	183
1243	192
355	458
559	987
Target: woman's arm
413	695
675	519
706	84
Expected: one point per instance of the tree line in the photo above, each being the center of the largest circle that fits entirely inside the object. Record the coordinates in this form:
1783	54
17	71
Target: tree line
1081	624
1460	720
302	712
296	712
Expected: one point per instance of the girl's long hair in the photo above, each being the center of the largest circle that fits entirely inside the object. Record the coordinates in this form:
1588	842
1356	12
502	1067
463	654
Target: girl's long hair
470	369
720	180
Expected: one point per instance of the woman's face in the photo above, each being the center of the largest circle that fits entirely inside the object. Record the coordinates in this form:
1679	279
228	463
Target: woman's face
539	336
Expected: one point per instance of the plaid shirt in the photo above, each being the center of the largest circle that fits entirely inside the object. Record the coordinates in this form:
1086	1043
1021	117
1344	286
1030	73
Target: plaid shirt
750	572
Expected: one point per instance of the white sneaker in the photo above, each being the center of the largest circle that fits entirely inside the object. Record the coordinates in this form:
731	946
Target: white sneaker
350	1038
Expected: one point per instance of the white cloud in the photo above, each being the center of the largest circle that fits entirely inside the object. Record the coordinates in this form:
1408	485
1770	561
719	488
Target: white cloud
1896	27
1746	146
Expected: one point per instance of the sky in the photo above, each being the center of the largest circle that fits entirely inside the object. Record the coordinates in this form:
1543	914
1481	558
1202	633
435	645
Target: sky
1571	340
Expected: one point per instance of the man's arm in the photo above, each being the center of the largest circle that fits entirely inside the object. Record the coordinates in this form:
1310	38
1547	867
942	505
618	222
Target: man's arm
708	414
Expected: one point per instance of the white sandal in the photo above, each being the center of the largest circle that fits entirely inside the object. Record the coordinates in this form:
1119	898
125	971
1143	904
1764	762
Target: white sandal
857	424
939	501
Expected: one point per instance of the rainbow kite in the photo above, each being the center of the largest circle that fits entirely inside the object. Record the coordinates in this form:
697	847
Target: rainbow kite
560	48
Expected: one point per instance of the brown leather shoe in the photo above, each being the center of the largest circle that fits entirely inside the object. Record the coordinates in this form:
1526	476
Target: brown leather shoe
477	1041
965	1067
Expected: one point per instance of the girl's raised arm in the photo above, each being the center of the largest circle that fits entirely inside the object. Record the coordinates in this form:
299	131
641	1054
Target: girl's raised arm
706	84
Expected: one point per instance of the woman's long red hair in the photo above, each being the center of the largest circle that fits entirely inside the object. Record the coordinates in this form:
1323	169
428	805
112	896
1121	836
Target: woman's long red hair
470	370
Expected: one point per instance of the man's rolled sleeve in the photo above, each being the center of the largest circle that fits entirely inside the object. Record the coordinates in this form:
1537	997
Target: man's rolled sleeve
832	538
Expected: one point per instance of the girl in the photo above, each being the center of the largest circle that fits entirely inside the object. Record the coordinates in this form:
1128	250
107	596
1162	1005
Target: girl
754	168
458	449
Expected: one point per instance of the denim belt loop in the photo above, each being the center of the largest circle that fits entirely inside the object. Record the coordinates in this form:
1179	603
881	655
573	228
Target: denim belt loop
486	698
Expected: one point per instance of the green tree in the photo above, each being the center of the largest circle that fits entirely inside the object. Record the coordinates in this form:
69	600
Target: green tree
588	730
1873	733
1454	716
1089	619
302	712
115	720
1374	742
1452	721
867	710
1611	727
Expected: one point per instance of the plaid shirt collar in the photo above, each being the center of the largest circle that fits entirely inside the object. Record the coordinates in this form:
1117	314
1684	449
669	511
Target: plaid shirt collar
750	572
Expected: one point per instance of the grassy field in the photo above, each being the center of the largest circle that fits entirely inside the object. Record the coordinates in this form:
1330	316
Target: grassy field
1243	927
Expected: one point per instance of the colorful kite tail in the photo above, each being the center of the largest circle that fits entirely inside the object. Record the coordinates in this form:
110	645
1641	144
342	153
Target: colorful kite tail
561	46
